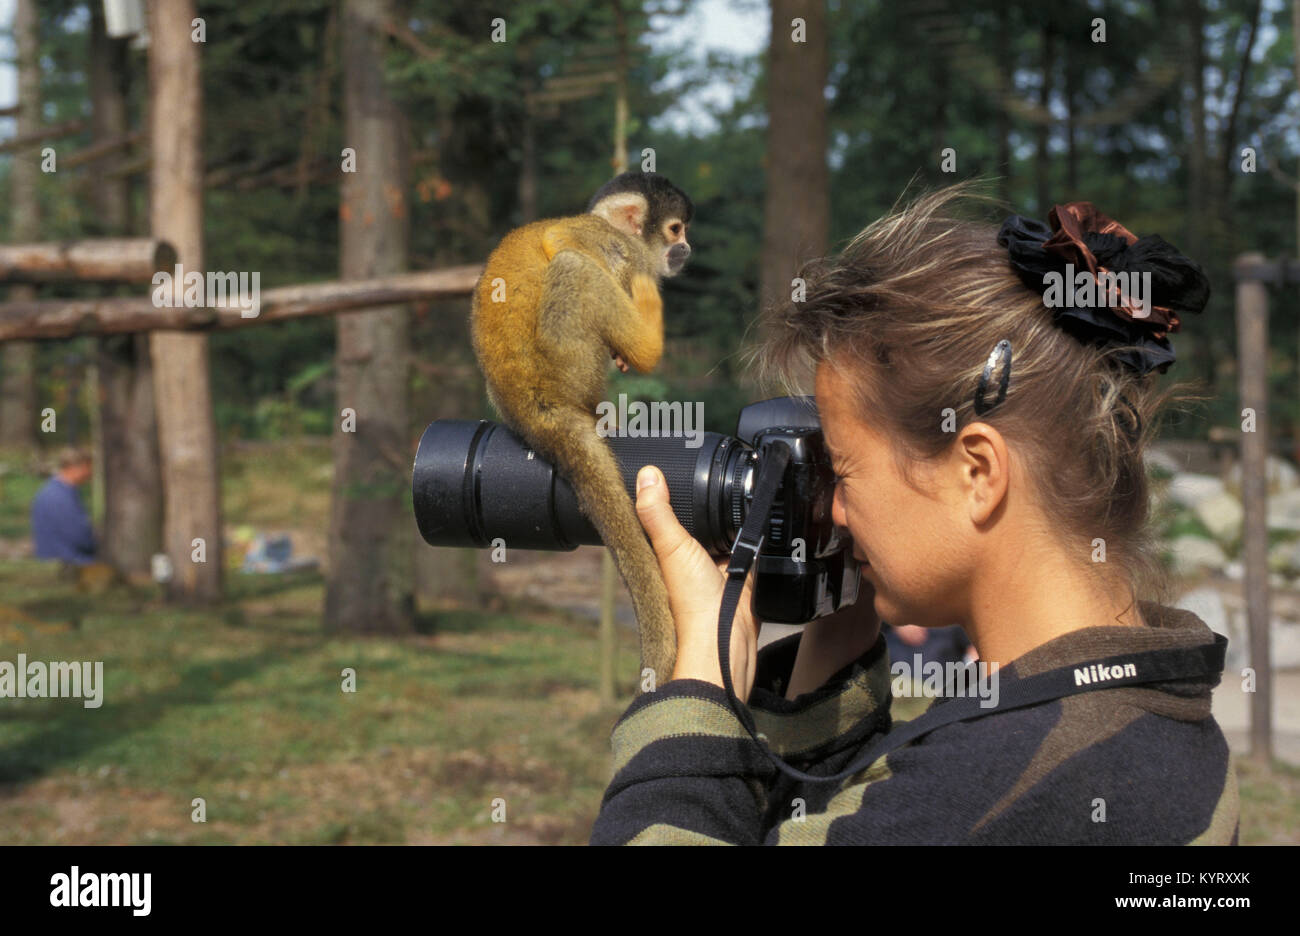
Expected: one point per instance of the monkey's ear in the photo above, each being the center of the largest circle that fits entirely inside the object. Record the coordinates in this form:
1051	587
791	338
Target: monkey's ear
626	211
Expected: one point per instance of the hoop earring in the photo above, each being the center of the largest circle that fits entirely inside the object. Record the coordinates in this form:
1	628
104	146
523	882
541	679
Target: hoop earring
1001	351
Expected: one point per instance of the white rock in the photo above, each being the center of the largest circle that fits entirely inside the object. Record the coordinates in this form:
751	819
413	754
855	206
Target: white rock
1284	510
1235	570
1192	553
1285	557
1207	604
1162	462
1222	516
1190	489
1284	643
1282	475
1283	634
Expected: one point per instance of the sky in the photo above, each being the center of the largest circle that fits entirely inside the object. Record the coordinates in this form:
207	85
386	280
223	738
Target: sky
8	75
734	26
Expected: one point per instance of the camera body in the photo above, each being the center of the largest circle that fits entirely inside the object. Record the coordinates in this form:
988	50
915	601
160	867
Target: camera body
475	483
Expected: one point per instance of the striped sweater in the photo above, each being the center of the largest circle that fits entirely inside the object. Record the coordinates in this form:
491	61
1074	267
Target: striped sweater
1136	765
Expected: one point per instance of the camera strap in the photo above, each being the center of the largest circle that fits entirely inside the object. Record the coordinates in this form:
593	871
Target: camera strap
1114	672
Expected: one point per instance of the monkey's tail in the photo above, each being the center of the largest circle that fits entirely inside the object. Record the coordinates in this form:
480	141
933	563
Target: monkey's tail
596	480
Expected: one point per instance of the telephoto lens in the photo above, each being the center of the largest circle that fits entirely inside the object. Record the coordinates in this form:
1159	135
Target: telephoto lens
475	481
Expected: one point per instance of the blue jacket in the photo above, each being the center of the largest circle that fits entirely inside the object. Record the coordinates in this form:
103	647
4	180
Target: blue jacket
60	527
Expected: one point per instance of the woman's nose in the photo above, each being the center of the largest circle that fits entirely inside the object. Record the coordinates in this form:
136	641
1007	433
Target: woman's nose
838	516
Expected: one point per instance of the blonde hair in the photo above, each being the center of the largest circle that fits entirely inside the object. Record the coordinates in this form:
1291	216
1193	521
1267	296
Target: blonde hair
908	314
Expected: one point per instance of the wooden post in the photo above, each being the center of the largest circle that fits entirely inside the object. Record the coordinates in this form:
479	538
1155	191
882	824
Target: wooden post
608	574
1252	366
371	547
126	439
608	634
97	487
18	406
187	433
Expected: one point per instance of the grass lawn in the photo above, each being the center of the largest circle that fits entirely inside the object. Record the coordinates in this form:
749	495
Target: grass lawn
242	706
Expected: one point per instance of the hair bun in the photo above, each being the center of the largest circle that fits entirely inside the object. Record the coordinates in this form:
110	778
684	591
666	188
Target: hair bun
1081	236
1177	281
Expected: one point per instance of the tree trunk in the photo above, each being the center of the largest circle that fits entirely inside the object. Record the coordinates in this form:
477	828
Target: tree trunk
183	395
1042	158
1295	61
796	209
128	455
1230	153
108	121
18	415
1006	80
1198	147
619	162
939	115
371	525
528	168
1071	69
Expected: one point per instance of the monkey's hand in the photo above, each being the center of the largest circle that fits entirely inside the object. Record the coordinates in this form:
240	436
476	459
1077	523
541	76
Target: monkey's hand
645	296
641	342
695	582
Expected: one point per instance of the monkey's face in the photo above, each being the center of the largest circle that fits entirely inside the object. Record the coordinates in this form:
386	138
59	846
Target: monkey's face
649	207
676	250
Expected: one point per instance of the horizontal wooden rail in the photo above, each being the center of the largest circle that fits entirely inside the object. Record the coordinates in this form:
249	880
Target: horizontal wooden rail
67	318
110	260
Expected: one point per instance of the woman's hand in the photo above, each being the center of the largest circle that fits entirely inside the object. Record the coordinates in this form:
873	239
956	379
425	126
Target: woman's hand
695	583
833	642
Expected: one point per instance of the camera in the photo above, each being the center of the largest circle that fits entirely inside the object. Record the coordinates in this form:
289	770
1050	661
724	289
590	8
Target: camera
476	484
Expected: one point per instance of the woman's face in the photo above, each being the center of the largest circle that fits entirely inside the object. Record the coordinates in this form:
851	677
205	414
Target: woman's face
915	542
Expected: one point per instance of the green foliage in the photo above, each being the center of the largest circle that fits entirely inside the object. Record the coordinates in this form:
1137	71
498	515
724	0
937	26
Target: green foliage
904	84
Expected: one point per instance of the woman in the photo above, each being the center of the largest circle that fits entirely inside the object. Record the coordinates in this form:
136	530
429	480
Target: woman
987	429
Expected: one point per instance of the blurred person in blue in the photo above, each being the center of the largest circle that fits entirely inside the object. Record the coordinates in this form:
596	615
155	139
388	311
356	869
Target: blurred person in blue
60	525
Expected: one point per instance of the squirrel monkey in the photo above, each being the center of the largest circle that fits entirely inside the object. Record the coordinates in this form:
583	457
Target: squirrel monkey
556	300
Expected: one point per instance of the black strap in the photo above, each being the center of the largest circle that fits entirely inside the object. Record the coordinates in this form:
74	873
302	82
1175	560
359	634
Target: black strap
743	553
1114	672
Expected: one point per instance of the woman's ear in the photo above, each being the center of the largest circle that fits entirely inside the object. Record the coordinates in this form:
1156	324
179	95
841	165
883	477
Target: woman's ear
984	463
